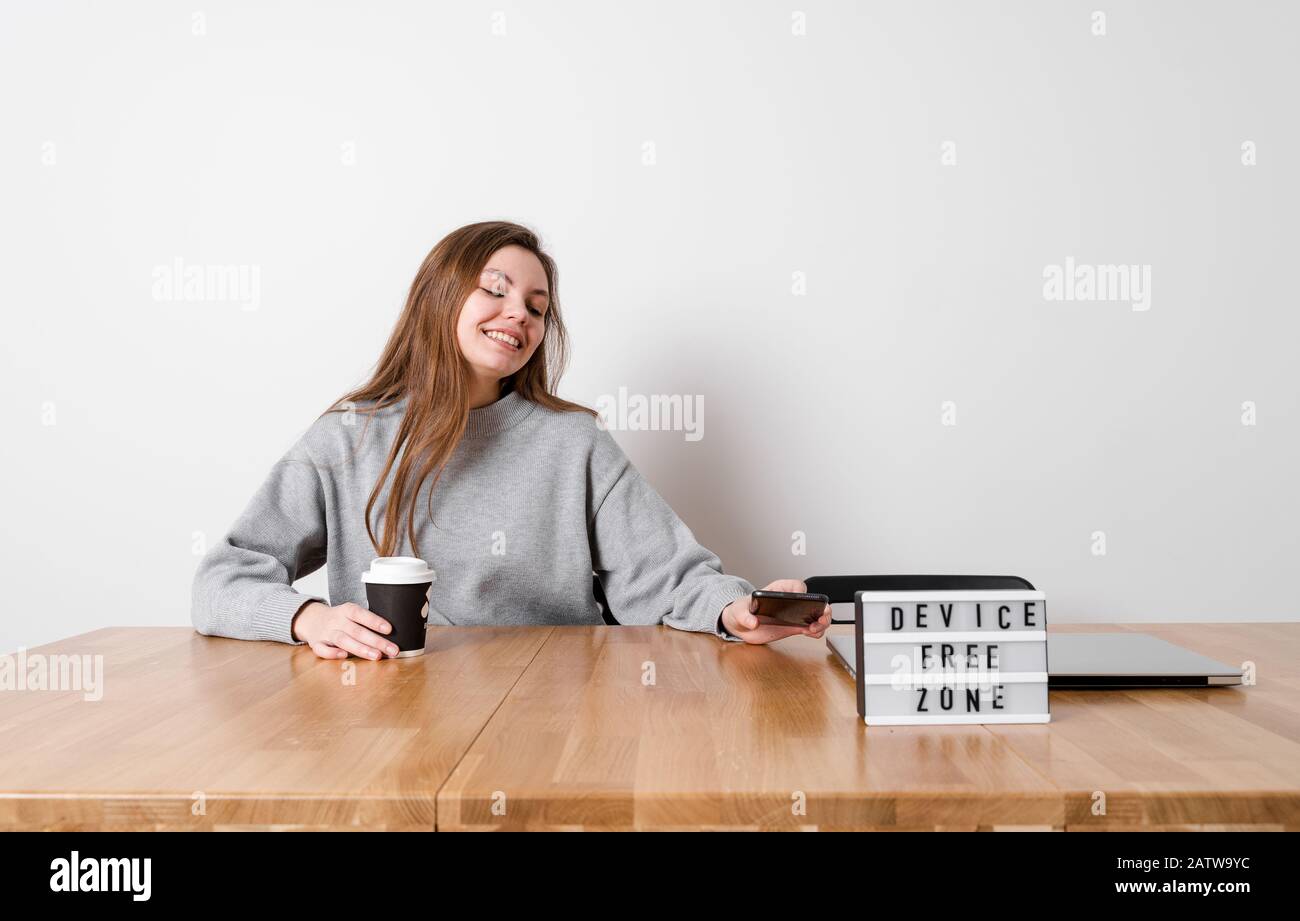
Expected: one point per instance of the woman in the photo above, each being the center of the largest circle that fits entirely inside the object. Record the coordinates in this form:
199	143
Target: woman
529	495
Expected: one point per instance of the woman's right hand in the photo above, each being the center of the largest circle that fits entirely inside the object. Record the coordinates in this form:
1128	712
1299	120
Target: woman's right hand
334	632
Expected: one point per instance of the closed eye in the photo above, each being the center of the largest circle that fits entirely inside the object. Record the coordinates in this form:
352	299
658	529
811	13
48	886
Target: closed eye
535	312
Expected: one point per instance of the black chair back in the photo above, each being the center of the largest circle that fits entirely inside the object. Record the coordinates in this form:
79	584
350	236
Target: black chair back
599	592
841	589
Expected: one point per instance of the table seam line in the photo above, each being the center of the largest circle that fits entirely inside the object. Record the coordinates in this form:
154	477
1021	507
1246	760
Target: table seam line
504	697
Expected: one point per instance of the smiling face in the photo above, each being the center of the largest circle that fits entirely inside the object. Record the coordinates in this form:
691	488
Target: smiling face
502	323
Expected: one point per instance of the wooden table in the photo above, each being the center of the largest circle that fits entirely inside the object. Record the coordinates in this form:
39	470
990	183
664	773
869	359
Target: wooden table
208	733
625	727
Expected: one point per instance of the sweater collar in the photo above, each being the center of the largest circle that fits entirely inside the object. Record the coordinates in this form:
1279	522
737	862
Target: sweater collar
505	413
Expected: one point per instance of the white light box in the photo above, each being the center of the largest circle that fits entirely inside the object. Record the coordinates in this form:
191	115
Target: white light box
926	658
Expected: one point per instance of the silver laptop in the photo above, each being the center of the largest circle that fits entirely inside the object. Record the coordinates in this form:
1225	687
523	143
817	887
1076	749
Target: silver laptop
1105	660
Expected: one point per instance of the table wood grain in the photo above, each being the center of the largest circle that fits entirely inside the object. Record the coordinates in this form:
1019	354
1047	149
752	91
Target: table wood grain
624	728
729	736
1180	757
196	732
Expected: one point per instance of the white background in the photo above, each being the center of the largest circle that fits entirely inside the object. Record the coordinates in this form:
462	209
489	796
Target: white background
775	153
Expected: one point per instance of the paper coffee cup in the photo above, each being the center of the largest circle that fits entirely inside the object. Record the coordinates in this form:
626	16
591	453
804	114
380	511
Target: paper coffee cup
397	589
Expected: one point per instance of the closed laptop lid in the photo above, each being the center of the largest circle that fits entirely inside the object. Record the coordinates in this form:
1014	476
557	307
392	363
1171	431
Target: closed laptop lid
1130	655
1081	660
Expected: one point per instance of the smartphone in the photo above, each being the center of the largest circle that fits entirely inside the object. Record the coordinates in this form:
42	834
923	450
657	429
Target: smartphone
798	609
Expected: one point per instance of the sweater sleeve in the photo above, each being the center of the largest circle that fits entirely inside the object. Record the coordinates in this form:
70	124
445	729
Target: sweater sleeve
243	587
649	563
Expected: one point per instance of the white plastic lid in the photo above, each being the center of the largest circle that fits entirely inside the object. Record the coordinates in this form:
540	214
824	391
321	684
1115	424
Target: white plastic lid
398	570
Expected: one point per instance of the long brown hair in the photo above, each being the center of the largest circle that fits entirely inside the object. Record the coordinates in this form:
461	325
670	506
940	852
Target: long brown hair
423	363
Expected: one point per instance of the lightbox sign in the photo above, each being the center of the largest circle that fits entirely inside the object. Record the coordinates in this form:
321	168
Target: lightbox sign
950	657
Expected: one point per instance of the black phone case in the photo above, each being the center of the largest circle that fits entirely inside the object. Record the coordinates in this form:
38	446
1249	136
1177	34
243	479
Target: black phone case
778	596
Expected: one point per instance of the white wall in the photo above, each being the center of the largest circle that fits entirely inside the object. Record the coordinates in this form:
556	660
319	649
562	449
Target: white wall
128	142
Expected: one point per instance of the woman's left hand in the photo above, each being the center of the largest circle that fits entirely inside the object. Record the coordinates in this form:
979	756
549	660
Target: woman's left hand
740	620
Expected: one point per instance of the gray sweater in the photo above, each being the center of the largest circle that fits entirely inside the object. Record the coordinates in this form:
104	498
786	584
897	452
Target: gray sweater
532	502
